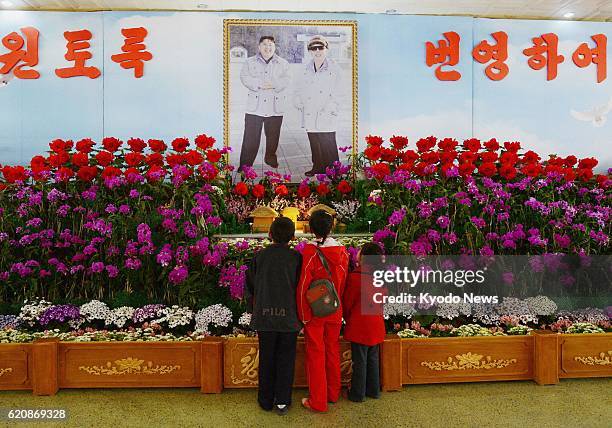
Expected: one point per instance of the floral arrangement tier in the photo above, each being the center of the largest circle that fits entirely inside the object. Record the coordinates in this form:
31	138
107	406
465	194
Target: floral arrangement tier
126	239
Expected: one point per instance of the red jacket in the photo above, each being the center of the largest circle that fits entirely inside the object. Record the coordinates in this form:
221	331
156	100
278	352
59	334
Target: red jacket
312	268
364	328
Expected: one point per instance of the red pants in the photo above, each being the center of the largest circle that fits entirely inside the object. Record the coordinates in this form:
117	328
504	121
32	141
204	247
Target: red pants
322	362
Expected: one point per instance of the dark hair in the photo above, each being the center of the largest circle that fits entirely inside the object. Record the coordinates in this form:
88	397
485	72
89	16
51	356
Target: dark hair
321	224
282	230
374	253
271	38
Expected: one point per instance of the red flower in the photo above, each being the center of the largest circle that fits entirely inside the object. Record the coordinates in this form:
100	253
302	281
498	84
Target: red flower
569	174
104	158
531	157
373	140
570	160
323	189
399	142
430	157
155	173
507	171
58	159
344	187
80	159
448	144
64	173
373	153
487	157
180	144
389	155
472	144
468	157
155	159
213	155
603	181
303	191
258	191
512	147
111	144
110	171
175	159
38	162
584	173
487	169
129	171
425	144
380	170
587	163
409	156
14	173
136	144
85	145
466	169
532	169
447	157
193	157
492	145
60	145
204	142
281	190
157	146
87	173
241	189
134	159
510	158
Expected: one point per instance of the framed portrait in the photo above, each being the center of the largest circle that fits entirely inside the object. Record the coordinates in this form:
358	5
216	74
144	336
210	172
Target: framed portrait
290	94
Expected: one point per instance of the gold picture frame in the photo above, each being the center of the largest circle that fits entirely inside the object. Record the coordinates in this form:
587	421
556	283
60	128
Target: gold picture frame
228	23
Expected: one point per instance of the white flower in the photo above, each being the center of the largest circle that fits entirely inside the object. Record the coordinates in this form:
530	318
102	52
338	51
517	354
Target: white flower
174	316
541	305
245	319
517	308
31	311
119	316
398	309
453	310
218	315
346	211
94	310
485	313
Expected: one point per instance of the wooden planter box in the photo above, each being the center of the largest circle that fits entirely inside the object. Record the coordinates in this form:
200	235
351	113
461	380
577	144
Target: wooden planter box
241	363
48	364
585	355
15	366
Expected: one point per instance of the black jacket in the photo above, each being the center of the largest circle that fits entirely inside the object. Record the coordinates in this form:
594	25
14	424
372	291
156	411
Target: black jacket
272	280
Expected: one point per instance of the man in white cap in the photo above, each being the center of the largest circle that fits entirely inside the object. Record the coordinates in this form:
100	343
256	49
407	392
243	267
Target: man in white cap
316	96
266	75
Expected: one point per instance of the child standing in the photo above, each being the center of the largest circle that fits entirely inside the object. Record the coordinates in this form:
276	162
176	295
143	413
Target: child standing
272	279
365	325
322	334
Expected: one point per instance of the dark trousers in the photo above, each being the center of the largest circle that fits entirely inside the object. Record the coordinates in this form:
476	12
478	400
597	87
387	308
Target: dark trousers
252	138
366	375
324	150
276	367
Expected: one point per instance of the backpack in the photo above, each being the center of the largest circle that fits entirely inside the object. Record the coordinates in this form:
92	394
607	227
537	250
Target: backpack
321	294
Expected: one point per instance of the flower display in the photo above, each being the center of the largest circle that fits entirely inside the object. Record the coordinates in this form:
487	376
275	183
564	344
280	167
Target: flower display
214	316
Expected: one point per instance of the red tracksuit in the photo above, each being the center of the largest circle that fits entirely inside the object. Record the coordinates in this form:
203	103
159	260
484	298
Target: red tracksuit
322	334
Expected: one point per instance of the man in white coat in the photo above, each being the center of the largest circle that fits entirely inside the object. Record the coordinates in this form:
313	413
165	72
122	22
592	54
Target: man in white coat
316	96
266	75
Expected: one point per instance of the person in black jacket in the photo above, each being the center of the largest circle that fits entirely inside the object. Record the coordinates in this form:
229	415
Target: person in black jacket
272	280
